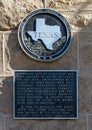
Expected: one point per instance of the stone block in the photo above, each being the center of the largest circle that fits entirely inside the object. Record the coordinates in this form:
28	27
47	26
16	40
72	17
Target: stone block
16	59
1	54
6	95
85	94
69	4
9	21
79	124
85	53
69	60
79	20
90	122
85	37
11	124
12	13
1	123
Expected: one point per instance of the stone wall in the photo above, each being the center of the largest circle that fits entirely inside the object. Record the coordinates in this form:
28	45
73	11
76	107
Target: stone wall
79	57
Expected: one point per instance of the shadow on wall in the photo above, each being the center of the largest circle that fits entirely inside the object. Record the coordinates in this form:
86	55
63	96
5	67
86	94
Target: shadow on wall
6	95
16	59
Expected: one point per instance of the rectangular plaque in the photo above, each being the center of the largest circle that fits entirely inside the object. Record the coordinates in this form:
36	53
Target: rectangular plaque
45	94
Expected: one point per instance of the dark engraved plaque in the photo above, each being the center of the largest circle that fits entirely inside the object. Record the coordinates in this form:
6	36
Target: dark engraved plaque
45	94
44	35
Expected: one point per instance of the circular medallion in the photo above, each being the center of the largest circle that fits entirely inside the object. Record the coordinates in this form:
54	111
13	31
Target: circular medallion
44	35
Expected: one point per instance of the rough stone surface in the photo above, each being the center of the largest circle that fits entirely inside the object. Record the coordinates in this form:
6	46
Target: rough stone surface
11	124
1	54
85	53
80	20
6	91
85	94
12	11
69	4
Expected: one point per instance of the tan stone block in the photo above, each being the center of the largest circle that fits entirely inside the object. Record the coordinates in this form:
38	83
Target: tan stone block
82	5
55	4
6	95
79	20
90	122
11	124
1	54
85	53
69	4
85	37
16	59
69	60
85	94
11	11
79	124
